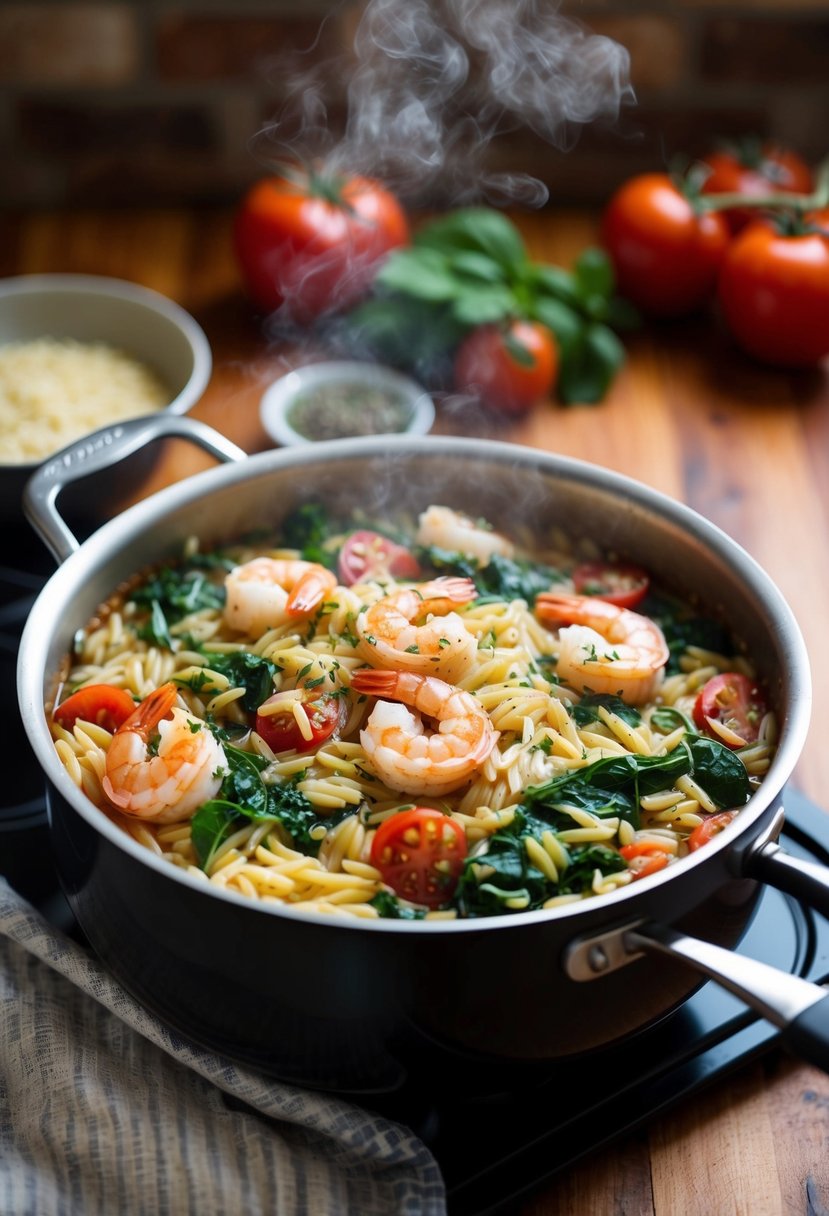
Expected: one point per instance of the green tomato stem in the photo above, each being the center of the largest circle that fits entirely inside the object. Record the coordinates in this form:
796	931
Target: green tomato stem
794	202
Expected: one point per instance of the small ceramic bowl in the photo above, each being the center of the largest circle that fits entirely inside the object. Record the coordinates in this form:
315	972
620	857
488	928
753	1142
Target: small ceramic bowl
343	399
92	308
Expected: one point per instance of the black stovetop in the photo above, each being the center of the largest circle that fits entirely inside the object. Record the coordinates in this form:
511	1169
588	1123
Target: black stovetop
494	1148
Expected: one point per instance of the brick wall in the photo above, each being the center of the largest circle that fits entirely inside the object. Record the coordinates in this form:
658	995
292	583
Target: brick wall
155	101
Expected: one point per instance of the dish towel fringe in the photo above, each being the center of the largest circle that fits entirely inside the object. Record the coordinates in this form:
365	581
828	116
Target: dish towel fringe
104	1111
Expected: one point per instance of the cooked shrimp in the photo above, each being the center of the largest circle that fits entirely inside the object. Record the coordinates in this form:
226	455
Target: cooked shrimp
452	530
440	645
267	592
403	753
632	666
186	771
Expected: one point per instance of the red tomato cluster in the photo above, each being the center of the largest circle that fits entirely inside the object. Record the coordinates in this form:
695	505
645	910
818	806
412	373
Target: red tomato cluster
767	269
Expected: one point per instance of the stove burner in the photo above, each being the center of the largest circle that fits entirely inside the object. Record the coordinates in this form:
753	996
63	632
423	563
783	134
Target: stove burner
499	1141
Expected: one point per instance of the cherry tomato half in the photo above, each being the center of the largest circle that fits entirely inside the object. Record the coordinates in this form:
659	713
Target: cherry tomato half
709	827
665	254
774	293
368	555
755	170
645	857
618	584
733	701
420	854
312	244
102	704
282	732
508	370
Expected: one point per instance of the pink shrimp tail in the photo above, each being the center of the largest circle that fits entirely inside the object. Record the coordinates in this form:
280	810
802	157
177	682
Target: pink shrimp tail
449	587
146	716
570	609
309	592
376	683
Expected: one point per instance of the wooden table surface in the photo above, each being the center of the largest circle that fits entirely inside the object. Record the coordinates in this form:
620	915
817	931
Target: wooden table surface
746	446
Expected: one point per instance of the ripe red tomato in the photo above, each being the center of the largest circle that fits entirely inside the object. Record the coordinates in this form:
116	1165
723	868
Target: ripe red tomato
420	853
665	254
507	369
368	555
735	702
102	704
756	170
709	827
282	732
774	293
311	244
618	584
645	857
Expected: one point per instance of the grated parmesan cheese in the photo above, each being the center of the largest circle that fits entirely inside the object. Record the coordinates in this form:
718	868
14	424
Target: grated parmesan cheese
53	391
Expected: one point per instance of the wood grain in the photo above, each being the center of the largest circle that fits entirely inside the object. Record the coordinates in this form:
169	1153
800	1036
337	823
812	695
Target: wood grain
688	415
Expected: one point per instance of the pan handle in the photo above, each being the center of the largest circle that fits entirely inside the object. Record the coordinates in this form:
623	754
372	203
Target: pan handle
98	451
768	862
795	1005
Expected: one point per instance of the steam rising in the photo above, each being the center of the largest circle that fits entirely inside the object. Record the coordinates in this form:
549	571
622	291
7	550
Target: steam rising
433	82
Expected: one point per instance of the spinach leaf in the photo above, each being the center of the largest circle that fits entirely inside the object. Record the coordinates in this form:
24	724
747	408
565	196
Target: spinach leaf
388	907
587	710
307	528
504	872
501	578
584	861
212	824
244	670
173	592
719	771
244	795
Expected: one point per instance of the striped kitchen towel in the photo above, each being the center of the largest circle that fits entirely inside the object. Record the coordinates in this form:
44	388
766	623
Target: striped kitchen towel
104	1112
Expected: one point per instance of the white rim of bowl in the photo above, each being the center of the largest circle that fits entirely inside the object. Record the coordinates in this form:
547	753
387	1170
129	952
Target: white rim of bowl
280	396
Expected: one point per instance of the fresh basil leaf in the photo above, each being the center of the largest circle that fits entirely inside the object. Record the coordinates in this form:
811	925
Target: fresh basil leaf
471	264
594	279
424	273
561	320
588	367
480	229
484	305
243	782
553	282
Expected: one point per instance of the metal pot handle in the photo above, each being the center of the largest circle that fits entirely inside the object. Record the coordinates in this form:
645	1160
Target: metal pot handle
768	862
98	451
797	1006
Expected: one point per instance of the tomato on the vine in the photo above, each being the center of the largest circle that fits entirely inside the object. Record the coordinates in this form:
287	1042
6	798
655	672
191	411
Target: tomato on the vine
733	703
616	582
311	244
103	704
666	252
508	368
367	555
325	713
774	291
420	854
754	169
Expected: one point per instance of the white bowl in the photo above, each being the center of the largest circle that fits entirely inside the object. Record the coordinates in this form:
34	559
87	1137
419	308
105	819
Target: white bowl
93	308
280	401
